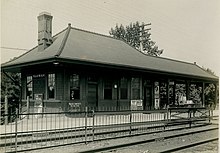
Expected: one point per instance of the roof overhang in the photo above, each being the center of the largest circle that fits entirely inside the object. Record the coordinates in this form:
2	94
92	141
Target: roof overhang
138	69
19	67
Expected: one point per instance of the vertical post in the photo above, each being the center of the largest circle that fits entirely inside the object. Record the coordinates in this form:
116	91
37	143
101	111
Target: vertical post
86	114
16	130
164	115
28	107
93	125
209	115
130	123
174	93
164	119
0	113
168	112
168	93
6	110
216	94
203	94
190	115
20	102
117	97
187	90
152	95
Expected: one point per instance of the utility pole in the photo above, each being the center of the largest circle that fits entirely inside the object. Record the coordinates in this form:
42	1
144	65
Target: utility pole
143	33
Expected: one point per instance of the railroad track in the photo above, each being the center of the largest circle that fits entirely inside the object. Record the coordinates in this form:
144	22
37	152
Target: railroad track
190	145
48	139
57	134
160	139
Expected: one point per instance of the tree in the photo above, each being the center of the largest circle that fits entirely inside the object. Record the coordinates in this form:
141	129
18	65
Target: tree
134	34
210	91
195	93
10	88
210	95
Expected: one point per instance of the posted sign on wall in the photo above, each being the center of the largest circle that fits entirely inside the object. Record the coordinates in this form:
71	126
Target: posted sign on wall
137	104
38	105
156	95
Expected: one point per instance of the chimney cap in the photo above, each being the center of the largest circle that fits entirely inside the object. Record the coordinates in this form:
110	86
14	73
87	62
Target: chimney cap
45	13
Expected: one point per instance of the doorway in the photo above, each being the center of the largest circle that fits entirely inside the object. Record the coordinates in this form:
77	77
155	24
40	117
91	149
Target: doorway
147	97
92	93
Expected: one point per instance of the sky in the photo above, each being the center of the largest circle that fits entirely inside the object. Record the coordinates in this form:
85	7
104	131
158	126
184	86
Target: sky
187	30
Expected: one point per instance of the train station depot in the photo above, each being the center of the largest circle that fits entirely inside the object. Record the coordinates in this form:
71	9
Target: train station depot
77	68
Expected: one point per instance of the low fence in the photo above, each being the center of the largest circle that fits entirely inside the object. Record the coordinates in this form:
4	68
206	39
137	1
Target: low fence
42	130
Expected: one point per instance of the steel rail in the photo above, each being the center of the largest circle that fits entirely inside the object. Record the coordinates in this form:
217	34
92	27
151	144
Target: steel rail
145	141
189	145
55	132
80	142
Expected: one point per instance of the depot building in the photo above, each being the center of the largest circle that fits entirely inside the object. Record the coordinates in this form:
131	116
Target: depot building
78	68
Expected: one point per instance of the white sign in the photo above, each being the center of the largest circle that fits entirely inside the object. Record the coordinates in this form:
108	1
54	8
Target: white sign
136	103
74	107
38	75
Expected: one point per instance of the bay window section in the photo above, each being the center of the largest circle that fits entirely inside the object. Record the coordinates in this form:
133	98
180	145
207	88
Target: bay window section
74	87
51	86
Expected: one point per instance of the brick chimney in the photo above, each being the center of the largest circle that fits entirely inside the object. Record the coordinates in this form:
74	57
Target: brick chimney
44	30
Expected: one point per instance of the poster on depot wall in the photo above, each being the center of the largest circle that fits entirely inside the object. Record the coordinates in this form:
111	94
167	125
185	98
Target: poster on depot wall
156	90
156	95
137	104
157	103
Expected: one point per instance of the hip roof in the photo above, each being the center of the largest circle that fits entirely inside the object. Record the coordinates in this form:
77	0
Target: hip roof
80	45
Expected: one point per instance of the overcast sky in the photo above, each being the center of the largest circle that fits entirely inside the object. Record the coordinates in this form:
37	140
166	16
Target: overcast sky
187	30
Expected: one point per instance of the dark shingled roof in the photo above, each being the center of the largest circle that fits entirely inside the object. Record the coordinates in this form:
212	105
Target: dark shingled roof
79	45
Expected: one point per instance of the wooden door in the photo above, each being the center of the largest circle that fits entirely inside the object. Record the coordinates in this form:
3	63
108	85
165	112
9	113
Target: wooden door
147	97
92	95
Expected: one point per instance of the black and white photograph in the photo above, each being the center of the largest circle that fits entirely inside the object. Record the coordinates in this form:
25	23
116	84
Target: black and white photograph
102	76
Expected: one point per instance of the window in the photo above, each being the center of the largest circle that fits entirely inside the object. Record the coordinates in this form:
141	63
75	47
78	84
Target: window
135	88
107	89
74	87
51	86
30	87
123	88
